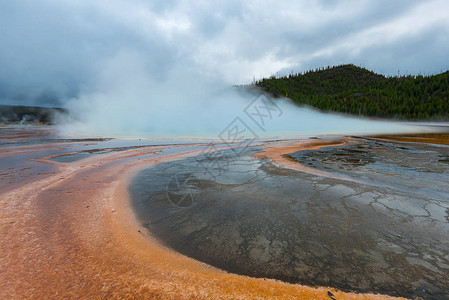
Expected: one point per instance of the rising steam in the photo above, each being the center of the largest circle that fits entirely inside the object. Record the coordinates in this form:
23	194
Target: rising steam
127	99
166	68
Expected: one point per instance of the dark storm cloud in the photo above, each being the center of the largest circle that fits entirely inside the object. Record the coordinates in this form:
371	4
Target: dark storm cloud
326	33
51	51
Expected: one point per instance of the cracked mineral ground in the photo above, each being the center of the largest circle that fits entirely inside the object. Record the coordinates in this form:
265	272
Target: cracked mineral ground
379	224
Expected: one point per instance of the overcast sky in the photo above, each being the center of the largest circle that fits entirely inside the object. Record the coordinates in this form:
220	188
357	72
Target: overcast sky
52	50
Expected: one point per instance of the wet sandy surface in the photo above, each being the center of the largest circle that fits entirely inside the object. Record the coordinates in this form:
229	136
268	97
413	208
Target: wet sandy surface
68	230
353	213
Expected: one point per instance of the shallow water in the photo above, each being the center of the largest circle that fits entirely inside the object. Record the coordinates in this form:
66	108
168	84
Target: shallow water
388	234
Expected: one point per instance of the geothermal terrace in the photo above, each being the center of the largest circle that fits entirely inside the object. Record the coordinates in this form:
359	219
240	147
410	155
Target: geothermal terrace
321	218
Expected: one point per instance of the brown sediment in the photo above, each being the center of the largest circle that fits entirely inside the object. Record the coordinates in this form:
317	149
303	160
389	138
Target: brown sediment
429	138
7	153
278	156
74	234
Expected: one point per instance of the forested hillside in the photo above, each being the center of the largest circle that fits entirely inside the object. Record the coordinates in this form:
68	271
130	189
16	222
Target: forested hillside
28	114
354	90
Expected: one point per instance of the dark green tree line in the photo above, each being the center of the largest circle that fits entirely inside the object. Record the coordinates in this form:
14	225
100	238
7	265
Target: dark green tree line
354	90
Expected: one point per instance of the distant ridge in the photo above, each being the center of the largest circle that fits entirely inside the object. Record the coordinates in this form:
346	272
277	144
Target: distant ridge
358	91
